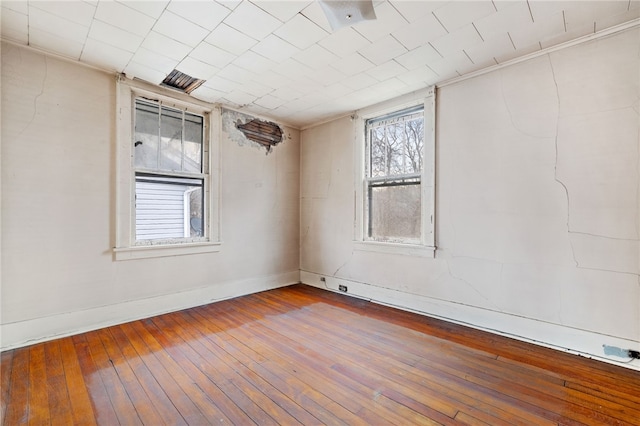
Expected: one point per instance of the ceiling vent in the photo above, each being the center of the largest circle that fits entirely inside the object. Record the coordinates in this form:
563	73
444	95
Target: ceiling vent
181	81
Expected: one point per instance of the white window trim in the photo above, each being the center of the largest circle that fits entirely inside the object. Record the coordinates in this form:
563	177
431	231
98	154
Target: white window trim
426	245
125	243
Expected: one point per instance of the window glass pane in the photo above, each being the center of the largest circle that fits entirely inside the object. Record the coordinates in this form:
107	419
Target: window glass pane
171	140
395	212
396	143
145	140
193	126
168	207
414	143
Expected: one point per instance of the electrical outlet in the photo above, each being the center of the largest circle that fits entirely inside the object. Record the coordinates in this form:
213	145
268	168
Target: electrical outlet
342	288
323	279
634	354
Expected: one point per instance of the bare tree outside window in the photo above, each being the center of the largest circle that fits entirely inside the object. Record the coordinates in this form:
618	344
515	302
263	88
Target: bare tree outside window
395	145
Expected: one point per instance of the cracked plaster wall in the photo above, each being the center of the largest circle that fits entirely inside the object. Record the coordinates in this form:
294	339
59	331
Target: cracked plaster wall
58	171
538	206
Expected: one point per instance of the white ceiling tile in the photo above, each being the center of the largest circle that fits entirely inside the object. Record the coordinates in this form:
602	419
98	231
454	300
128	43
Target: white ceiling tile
538	31
388	20
207	14
423	55
475	67
16	6
491	48
326	75
302	84
570	34
239	98
315	57
114	36
220	84
252	21
424	75
514	16
300	32
230	39
419	32
51	42
235	73
447	67
457	40
273	79
315	13
164	45
457	14
275	48
503	4
352	64
143	72
588	13
13	22
287	93
212	55
336	90
253	62
255	89
269	102
543	9
518	53
386	71
359	81
179	29
150	8
196	69
105	56
281	9
292	68
388	88
383	50
45	21
154	60
344	42
230	4
125	18
75	11
207	94
17	36
610	21
415	10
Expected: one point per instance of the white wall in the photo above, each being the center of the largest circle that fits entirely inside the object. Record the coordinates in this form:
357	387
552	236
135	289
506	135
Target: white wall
537	211
58	230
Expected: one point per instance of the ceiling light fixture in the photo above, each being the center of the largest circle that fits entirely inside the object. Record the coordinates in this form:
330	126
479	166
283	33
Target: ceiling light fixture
345	13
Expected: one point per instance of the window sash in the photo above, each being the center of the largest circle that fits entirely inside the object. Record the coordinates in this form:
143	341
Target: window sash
162	176
394	184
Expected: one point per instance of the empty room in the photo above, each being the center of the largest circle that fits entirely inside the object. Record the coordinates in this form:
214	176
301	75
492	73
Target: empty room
387	212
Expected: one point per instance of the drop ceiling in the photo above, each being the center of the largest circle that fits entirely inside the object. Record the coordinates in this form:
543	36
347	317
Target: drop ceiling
280	59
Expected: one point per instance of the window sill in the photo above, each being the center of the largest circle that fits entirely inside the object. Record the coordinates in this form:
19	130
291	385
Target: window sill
395	248
145	252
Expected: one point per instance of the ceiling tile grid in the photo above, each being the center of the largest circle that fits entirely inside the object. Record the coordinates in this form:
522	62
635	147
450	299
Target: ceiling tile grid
282	59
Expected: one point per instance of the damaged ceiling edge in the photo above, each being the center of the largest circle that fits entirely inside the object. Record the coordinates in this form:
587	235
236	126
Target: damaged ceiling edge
266	133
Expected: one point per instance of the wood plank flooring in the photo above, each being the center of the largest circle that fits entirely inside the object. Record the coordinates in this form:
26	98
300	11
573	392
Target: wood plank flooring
301	355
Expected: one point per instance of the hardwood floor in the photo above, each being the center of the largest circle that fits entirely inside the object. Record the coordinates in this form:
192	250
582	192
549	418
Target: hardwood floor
301	355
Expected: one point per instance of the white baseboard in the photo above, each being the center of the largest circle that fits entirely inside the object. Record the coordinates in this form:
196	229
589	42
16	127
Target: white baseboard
555	336
23	333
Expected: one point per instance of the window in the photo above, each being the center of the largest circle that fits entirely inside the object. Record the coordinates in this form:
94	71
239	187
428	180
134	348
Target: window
166	173
395	179
395	144
169	173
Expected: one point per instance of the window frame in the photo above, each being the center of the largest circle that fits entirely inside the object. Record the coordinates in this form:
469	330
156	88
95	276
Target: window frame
126	246
425	245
